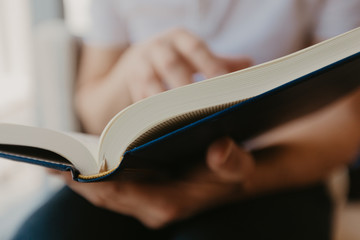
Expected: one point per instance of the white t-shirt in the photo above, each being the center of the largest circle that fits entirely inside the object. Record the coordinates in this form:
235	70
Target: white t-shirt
261	29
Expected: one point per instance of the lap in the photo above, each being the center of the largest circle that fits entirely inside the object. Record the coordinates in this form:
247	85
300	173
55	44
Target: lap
296	214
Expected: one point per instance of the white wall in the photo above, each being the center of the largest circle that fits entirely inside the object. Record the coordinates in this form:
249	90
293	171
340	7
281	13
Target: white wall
15	55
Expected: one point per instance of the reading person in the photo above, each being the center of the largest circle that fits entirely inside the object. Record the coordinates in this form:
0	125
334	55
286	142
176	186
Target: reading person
140	48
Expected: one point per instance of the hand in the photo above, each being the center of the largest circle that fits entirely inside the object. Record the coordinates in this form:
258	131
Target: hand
110	79
169	61
224	180
297	154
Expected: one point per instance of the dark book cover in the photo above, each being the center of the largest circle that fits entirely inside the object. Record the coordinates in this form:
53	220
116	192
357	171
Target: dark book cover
187	145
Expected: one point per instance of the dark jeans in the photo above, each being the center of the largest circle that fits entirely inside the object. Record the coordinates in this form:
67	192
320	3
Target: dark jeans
297	214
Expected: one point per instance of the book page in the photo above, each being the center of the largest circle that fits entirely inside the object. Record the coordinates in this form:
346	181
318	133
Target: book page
133	124
91	142
81	153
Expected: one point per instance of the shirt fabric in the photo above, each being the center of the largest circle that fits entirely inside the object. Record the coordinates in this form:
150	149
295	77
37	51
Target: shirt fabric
261	29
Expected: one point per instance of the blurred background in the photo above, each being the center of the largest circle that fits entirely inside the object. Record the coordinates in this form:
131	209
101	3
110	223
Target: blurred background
39	42
35	33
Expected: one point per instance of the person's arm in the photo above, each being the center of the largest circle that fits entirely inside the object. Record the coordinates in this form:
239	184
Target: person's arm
111	79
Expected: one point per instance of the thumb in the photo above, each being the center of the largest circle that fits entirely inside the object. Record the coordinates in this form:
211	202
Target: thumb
230	162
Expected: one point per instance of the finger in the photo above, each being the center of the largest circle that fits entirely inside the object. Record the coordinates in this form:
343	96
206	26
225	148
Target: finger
67	177
229	162
199	55
60	173
53	171
172	68
235	64
148	203
145	84
155	86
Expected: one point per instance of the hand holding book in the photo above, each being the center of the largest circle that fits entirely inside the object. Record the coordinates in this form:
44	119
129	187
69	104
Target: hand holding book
157	204
298	153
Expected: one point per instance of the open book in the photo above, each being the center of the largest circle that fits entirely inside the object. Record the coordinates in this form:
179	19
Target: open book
173	129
